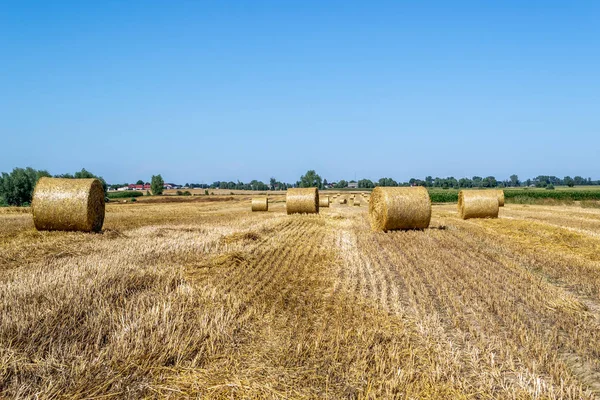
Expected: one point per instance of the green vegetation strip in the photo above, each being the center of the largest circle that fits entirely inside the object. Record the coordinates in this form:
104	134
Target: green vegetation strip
124	194
519	195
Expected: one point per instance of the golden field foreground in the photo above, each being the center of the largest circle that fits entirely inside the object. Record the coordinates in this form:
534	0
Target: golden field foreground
207	299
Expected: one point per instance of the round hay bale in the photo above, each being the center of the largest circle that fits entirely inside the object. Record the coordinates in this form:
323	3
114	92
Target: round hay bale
68	205
342	201
260	204
357	202
302	201
392	208
497	193
478	204
323	201
500	197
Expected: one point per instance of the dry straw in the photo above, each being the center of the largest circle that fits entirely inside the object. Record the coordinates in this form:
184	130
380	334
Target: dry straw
500	197
478	204
323	201
357	201
342	201
393	208
302	201
68	205
260	204
496	193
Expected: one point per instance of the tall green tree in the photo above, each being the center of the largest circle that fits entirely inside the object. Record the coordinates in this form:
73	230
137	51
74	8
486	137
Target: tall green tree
157	185
569	181
311	179
514	181
341	184
139	182
16	188
365	183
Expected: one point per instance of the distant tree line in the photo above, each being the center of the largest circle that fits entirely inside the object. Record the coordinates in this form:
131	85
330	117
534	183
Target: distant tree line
16	188
541	181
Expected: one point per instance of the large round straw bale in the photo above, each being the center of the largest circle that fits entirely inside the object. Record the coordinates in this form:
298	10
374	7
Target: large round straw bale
260	204
68	205
393	208
342	200
323	201
478	204
357	201
302	200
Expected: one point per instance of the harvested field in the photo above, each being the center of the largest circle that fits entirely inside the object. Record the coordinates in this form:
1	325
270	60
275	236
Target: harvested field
205	299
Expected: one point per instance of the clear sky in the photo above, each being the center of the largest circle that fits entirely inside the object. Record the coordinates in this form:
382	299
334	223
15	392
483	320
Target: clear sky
225	90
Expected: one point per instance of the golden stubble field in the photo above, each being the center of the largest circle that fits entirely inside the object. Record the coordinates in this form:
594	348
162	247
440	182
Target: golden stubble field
205	299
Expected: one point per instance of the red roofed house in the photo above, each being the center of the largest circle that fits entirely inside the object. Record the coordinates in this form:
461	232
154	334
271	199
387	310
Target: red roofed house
139	187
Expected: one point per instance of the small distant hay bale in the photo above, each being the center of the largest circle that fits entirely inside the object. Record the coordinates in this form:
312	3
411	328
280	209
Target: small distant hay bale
302	201
392	208
357	201
323	201
342	200
478	204
500	197
68	205
260	204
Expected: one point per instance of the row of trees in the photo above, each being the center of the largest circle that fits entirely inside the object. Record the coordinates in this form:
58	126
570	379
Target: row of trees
490	181
16	188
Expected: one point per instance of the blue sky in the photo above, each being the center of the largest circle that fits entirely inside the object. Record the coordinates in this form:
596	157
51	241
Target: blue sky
200	90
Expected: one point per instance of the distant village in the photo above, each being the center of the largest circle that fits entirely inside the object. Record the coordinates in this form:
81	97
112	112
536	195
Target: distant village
167	186
145	186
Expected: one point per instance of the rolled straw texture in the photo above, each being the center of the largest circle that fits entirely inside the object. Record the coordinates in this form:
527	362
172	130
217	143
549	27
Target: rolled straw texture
478	204
68	205
302	201
260	204
392	208
323	201
500	197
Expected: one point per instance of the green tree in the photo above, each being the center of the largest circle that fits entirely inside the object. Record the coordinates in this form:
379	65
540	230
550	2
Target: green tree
341	184
139	182
157	185
569	181
365	183
514	180
311	179
428	181
387	182
16	188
